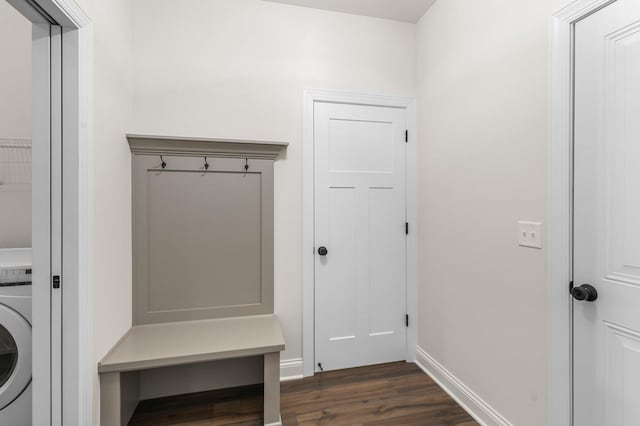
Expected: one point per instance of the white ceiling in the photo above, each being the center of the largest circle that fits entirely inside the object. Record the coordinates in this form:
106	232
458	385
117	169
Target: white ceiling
399	10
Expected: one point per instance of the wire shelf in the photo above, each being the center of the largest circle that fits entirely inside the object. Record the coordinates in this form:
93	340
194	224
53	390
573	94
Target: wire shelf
15	164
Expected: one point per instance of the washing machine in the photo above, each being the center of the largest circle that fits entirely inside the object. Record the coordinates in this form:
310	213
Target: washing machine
15	338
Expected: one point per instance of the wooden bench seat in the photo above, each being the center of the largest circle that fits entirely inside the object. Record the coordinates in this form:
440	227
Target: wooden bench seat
164	345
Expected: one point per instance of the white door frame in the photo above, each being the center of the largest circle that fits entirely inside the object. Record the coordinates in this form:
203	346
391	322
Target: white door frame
561	207
311	96
77	369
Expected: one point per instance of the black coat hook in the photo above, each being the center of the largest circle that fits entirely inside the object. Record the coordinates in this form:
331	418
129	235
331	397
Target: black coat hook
246	165
163	164
206	164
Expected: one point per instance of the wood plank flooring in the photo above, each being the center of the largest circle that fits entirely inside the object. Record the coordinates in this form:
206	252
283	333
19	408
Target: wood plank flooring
389	394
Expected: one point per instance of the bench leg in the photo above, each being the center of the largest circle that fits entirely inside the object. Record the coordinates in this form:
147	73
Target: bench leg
119	396
110	407
272	389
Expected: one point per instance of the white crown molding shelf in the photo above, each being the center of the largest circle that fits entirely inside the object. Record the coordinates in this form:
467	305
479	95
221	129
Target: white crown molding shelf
187	146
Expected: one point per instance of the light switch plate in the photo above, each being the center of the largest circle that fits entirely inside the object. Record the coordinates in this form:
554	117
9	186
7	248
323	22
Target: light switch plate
530	234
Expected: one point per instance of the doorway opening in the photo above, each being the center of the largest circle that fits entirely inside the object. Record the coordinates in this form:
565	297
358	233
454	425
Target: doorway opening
46	256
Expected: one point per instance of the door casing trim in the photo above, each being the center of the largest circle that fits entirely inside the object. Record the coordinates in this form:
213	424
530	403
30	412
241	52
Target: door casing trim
561	206
78	365
310	97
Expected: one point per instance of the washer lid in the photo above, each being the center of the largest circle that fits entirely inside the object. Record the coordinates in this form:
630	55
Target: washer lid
15	355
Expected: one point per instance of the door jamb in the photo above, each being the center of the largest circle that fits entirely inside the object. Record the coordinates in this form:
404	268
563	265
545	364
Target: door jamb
561	207
78	366
311	96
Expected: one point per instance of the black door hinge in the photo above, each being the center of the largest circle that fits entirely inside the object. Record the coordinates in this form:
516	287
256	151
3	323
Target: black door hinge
56	281
406	136
406	320
406	228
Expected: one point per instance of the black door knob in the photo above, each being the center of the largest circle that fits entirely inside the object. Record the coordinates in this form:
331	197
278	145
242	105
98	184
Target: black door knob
585	292
322	251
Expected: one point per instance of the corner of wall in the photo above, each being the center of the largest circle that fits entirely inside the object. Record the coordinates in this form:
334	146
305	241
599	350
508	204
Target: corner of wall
479	409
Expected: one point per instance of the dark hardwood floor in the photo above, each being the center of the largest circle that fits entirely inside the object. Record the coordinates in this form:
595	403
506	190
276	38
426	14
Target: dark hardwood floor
390	394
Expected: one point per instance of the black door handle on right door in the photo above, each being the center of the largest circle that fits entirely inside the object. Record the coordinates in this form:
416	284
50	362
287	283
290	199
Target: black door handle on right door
322	251
585	292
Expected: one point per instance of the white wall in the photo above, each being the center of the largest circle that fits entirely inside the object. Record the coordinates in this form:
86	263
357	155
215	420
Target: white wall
15	74
483	119
15	219
15	118
237	68
112	28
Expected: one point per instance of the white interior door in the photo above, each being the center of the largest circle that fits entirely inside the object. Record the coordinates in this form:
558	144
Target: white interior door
360	215
607	217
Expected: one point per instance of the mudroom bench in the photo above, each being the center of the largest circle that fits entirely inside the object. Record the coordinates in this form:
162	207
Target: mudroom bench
188	342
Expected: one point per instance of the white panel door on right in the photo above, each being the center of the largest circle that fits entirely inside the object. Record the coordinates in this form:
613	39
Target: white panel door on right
360	235
607	218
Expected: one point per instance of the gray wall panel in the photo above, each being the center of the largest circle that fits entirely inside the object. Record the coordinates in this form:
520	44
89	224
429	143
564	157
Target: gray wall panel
202	240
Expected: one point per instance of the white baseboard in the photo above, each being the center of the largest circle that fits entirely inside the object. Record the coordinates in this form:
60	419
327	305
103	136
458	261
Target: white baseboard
278	423
482	412
290	369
